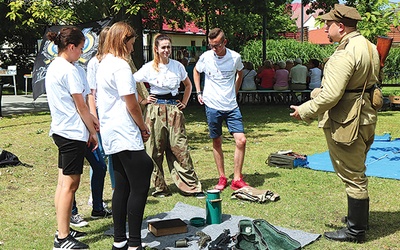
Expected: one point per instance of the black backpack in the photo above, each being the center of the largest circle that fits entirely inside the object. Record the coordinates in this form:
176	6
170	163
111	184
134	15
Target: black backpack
10	159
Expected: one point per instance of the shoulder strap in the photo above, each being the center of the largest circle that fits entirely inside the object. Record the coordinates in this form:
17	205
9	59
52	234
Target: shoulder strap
371	66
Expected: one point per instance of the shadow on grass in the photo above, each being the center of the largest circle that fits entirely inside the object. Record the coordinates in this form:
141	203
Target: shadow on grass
381	224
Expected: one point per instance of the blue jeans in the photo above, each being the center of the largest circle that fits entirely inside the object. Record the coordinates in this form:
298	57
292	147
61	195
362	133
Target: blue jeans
99	168
232	118
109	163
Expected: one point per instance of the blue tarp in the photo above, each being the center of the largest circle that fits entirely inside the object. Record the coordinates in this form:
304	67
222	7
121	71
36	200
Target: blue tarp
383	159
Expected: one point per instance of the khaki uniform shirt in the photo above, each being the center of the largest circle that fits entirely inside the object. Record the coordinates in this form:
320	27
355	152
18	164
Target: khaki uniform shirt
346	69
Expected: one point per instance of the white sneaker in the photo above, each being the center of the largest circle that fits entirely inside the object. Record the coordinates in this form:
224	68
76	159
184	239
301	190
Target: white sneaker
77	221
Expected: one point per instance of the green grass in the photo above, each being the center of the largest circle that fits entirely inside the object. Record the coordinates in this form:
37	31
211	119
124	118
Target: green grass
312	201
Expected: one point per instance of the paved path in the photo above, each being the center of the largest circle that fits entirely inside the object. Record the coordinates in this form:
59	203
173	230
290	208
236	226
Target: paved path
19	104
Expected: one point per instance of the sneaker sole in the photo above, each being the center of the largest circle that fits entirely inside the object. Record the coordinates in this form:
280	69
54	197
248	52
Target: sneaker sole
236	188
77	238
100	217
219	188
81	224
57	248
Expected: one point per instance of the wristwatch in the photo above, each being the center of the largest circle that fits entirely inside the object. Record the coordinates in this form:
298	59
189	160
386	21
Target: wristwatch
199	92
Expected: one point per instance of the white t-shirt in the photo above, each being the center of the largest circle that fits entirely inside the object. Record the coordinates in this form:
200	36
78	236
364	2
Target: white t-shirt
248	79
315	78
219	84
118	130
166	81
62	80
91	68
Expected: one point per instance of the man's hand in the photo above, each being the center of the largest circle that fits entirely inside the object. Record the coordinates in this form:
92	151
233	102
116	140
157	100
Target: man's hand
93	141
96	123
295	114
200	98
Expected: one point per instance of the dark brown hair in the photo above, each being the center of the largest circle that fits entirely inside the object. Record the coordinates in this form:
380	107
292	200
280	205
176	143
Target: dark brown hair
214	33
67	35
157	39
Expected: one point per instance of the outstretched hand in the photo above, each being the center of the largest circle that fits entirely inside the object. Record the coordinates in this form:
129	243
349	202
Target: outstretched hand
295	114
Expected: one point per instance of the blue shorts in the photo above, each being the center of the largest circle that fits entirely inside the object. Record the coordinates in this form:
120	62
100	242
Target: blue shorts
233	120
71	154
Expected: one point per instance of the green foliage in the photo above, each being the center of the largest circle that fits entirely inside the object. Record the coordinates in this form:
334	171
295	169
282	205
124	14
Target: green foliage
284	49
393	60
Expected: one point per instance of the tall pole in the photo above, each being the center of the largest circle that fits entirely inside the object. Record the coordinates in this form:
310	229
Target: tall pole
302	22
264	36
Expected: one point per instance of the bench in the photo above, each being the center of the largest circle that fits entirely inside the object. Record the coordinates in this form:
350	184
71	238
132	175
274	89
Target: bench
273	96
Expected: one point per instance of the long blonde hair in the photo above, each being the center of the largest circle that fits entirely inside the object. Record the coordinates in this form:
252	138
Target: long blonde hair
102	38
157	39
118	35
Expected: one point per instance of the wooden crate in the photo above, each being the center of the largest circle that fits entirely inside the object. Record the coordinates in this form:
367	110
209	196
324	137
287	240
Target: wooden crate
167	227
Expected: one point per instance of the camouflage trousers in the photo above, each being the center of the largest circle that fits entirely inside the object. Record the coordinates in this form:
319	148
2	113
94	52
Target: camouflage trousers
168	134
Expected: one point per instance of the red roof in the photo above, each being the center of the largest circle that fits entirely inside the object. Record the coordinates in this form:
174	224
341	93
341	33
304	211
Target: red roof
189	28
296	13
318	36
395	33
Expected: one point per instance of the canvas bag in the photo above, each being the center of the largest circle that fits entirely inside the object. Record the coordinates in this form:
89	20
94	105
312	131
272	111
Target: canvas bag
261	235
376	97
345	121
286	159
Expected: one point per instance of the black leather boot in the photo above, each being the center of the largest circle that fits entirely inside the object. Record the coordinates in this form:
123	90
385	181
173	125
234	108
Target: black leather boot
357	222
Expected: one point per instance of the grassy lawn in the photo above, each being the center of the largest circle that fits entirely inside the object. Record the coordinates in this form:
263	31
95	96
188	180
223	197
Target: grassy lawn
312	201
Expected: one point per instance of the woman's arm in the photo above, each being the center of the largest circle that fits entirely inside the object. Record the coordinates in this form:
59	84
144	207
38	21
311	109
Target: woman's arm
89	120
186	95
134	110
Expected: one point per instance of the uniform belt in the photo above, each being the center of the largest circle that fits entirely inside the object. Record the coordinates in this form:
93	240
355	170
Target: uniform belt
358	90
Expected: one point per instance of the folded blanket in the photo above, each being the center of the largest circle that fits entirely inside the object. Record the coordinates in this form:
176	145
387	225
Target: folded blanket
255	195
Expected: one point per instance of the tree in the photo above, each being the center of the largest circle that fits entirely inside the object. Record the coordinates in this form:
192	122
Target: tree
240	19
377	15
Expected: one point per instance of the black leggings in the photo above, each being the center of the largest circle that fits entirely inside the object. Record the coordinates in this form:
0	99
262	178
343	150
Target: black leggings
132	170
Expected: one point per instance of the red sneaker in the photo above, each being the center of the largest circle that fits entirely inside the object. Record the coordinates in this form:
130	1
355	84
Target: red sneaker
222	183
238	184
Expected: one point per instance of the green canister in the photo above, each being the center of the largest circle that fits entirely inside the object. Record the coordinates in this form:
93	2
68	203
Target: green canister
213	207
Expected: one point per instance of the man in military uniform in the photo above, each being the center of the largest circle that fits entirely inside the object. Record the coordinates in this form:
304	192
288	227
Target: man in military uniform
352	67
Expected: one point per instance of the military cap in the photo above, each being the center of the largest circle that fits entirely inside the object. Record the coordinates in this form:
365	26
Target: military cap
349	16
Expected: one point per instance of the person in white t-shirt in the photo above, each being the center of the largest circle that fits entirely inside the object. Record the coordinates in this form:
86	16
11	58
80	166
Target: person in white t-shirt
166	120
123	134
220	66
72	127
97	158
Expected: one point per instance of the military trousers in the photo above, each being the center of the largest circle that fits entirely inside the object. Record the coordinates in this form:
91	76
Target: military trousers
349	161
168	134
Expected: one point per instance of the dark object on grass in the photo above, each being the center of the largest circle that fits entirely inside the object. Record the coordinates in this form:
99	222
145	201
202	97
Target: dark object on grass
221	242
10	159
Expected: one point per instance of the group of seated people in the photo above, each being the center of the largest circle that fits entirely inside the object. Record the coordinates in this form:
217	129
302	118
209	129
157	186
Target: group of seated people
282	75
